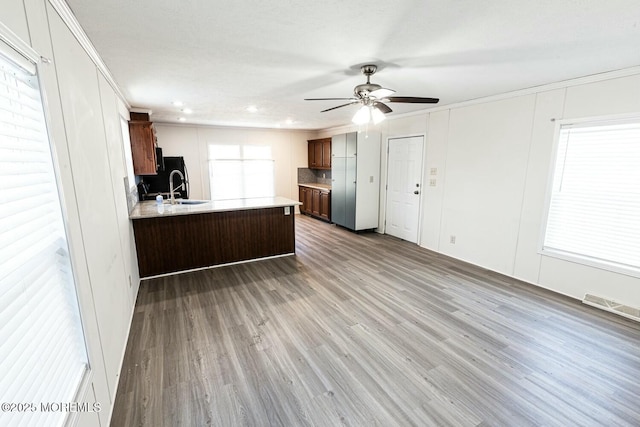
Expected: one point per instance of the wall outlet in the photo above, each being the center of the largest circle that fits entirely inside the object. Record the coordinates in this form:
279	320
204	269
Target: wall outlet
371	178
433	171
452	240
287	210
432	182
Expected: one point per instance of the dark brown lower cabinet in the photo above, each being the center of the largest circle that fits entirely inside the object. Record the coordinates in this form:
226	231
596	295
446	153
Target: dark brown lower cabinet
182	242
308	200
325	205
315	202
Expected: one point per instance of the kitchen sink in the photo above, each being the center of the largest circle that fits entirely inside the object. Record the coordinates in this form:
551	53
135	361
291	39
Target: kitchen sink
191	202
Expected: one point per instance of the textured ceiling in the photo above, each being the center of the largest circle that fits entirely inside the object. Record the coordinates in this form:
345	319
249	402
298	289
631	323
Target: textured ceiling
219	57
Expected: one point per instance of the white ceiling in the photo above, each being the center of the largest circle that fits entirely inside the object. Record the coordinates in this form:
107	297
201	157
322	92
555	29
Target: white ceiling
219	57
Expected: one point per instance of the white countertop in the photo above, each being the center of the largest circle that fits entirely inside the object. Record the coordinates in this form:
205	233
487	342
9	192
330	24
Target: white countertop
315	185
149	209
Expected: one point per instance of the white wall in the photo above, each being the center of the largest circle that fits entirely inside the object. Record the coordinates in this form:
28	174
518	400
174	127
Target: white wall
492	159
484	177
289	149
83	116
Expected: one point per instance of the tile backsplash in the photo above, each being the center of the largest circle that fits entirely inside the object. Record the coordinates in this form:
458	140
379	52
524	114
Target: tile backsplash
310	176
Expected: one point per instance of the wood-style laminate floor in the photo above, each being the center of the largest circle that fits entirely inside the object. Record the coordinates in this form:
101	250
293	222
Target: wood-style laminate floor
368	330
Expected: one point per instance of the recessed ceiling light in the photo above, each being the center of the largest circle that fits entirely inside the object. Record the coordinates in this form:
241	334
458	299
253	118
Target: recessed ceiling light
178	103
182	119
252	108
187	110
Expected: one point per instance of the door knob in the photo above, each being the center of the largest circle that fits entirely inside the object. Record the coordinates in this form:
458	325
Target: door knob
416	192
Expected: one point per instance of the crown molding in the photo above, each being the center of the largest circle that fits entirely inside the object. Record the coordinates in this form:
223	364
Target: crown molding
140	110
563	84
72	23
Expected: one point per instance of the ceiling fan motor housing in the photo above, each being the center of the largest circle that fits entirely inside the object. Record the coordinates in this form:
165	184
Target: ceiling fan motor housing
363	90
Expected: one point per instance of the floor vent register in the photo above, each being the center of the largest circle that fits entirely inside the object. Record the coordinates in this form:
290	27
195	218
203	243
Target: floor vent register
612	306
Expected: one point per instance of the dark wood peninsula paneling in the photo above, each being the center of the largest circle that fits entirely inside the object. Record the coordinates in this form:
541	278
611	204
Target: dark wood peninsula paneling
183	242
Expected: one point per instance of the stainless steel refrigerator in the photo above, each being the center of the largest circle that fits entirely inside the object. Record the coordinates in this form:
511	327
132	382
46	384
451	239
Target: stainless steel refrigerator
355	173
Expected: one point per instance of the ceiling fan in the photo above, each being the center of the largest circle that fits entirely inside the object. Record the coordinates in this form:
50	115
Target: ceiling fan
372	97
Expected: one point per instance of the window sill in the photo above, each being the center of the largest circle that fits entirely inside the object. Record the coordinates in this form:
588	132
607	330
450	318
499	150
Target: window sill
627	270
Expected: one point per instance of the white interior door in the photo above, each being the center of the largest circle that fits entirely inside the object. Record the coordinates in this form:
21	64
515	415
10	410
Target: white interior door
404	187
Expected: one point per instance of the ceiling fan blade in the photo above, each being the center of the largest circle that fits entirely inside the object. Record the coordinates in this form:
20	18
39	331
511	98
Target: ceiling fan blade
382	107
329	99
382	93
340	106
412	99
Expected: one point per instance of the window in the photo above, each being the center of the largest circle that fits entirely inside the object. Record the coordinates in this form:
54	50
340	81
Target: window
43	357
594	207
240	171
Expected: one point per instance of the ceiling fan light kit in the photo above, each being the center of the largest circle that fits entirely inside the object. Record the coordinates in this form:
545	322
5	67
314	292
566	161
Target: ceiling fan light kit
362	116
366	114
377	116
371	96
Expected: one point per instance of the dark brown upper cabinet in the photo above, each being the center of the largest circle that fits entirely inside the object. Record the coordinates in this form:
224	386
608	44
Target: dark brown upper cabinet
143	144
319	153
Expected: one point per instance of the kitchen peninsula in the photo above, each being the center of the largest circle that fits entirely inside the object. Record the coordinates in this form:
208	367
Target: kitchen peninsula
174	238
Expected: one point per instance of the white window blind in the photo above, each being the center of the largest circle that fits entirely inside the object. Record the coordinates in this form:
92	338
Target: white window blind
594	210
240	171
43	356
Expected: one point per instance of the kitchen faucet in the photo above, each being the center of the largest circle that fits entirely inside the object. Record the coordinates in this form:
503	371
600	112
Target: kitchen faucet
171	189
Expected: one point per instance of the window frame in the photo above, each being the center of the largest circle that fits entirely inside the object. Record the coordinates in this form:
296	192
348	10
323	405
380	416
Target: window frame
563	255
244	161
23	58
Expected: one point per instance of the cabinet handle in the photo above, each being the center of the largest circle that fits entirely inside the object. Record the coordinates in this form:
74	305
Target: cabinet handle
416	192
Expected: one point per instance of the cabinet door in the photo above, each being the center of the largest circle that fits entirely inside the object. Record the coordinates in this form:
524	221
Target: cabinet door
326	153
338	189
325	205
308	200
351	144
315	202
143	148
350	193
317	148
339	145
301	196
312	155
